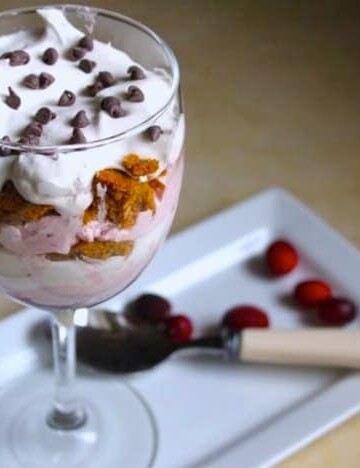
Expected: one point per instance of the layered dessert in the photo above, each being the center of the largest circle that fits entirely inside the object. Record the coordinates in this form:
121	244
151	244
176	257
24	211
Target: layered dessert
82	209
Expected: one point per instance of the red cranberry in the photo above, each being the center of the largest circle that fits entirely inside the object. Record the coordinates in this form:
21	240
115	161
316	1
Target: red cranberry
281	257
179	328
312	292
245	316
337	311
151	307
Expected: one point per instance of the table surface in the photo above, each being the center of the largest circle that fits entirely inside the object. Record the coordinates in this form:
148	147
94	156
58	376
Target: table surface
272	99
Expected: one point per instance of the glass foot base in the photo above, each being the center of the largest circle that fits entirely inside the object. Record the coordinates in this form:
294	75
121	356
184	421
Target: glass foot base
119	429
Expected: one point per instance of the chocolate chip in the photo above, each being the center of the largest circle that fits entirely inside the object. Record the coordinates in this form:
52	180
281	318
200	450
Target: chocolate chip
17	57
86	65
77	137
29	140
105	78
35	128
13	100
154	132
50	56
76	53
31	81
112	106
5	151
80	120
44	115
86	42
134	94
45	80
136	73
67	99
92	90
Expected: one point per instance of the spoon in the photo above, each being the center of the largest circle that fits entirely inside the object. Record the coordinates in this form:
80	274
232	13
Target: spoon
122	348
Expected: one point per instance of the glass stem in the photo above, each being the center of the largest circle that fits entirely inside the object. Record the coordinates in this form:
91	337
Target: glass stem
67	412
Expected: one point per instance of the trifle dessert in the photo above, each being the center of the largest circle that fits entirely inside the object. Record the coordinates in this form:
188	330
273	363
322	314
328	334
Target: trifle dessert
90	163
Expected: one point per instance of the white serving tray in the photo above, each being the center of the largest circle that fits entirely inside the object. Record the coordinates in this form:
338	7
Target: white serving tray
209	412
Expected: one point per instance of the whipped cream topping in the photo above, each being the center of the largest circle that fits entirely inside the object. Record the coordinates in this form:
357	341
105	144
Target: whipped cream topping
64	179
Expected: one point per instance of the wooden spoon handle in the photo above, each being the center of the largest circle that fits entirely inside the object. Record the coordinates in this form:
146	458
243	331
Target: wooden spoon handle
305	347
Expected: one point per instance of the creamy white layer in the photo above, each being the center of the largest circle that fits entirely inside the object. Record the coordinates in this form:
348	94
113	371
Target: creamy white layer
74	283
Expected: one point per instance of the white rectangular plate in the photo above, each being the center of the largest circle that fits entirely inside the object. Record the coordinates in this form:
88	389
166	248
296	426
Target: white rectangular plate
209	412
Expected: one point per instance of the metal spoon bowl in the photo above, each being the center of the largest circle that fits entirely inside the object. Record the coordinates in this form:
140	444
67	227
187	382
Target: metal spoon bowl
131	351
117	345
108	341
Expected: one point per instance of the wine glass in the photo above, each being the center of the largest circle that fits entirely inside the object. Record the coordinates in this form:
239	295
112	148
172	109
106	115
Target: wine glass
81	227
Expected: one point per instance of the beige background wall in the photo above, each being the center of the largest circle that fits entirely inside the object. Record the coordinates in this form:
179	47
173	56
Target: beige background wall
272	93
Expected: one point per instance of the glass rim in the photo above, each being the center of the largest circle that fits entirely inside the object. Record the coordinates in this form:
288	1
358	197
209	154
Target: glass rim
67	148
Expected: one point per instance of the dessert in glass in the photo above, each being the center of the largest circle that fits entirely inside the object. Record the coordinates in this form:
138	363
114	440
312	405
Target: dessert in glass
91	163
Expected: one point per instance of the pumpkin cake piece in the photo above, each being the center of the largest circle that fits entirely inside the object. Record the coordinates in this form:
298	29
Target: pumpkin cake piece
99	250
158	187
138	167
14	209
124	198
